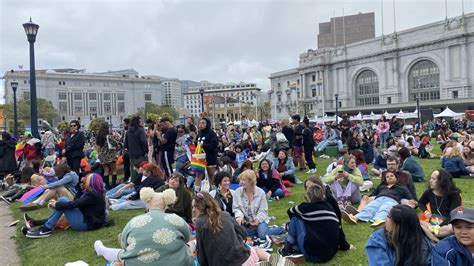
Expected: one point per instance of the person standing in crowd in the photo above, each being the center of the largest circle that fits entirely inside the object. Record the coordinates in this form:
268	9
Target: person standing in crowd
7	155
383	131
49	143
308	146
74	147
126	156
192	128
217	234
345	126
182	153
168	142
298	142
108	146
395	127
210	142
136	143
400	242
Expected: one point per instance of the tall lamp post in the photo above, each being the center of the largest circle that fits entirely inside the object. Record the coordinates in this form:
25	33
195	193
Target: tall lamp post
15	117
337	107
5	121
31	29
418	110
201	91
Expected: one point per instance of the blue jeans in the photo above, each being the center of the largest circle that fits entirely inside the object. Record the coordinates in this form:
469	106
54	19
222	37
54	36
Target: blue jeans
278	192
111	193
181	163
383	139
263	230
296	236
73	216
125	204
323	144
377	209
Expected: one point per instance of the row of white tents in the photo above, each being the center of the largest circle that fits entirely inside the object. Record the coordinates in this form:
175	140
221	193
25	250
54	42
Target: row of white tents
447	113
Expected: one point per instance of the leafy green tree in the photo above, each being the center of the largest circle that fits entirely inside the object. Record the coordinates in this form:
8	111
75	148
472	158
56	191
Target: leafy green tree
151	108
46	110
265	108
95	124
21	126
63	125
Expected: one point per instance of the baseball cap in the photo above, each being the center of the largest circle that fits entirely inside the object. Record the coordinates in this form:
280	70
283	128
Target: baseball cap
461	213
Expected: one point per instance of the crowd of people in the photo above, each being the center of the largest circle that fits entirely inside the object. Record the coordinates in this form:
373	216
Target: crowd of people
205	189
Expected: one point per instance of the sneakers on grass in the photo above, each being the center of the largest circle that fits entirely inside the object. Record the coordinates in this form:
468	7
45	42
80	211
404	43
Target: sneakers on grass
349	218
351	210
377	223
42	232
28	221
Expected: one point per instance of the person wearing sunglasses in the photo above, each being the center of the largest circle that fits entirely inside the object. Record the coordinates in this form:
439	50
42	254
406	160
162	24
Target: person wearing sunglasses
73	149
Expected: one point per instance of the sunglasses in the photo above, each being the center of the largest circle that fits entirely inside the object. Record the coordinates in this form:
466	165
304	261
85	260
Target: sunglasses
73	125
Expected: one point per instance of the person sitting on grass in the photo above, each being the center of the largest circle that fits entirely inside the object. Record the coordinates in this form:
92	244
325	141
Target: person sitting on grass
386	195
152	177
251	209
285	166
223	195
400	242
127	188
410	164
269	180
64	187
247	164
182	206
86	212
437	202
314	229
380	163
217	233
345	181
153	238
453	163
457	249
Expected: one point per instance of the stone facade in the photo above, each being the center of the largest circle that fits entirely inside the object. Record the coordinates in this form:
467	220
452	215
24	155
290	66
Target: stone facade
77	94
433	62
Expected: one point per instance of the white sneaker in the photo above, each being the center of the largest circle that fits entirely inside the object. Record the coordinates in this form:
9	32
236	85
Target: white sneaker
311	171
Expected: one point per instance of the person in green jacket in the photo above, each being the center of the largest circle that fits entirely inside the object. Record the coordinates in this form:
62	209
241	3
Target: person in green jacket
153	238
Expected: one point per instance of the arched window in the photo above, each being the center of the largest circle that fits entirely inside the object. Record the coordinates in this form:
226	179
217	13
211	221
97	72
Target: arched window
367	88
423	80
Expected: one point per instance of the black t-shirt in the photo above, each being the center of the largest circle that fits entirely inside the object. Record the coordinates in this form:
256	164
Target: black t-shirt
308	140
170	135
298	140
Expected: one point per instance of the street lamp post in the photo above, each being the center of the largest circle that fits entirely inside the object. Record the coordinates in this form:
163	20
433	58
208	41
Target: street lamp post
337	107
418	110
5	121
31	29
201	91
15	114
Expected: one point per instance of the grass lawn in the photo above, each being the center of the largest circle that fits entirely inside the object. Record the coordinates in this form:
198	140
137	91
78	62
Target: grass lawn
69	246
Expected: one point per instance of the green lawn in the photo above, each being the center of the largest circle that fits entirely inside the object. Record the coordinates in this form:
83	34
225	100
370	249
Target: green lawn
68	246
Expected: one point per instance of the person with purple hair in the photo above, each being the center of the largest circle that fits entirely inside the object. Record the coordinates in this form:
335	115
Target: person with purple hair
86	212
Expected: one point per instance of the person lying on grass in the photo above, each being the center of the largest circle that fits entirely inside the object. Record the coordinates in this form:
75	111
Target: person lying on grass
153	238
386	195
86	212
437	202
217	233
314	232
457	249
400	242
64	187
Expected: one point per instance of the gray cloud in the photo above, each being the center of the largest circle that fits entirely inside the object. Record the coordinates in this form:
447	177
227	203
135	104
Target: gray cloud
218	40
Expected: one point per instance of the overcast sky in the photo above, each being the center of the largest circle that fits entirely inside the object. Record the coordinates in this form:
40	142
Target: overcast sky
215	40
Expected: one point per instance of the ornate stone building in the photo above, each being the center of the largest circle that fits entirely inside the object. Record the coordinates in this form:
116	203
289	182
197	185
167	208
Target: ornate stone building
433	62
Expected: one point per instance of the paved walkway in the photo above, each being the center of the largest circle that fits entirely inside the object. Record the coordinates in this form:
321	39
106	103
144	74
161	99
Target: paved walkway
7	237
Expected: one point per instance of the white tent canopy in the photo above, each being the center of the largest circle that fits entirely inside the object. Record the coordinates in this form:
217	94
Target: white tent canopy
448	113
358	117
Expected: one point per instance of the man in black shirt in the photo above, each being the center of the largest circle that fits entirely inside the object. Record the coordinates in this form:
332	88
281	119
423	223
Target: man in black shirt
298	142
168	142
308	145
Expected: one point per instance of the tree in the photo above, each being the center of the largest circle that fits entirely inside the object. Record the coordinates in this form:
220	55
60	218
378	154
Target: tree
63	125
46	110
266	109
95	124
21	126
248	110
151	108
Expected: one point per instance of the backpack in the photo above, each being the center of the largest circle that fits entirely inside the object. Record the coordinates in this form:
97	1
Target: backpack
281	137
